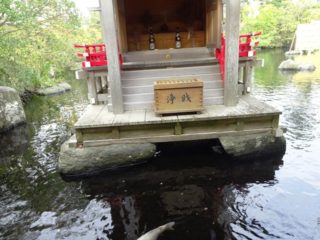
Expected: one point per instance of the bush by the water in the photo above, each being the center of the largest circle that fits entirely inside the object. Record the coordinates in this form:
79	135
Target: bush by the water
36	41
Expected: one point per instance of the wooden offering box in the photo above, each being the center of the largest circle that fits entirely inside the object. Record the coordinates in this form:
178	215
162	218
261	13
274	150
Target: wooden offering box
178	96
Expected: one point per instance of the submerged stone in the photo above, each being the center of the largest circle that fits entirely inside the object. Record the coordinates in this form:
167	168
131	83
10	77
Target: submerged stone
93	160
11	109
58	89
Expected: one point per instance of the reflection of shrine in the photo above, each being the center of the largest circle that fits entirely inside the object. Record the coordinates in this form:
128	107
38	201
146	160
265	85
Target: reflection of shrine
198	198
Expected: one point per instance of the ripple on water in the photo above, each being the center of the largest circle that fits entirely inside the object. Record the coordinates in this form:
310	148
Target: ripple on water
92	222
280	211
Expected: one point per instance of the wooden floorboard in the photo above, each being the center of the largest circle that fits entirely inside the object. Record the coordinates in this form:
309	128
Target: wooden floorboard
120	119
90	114
136	117
258	105
170	118
104	117
152	118
98	115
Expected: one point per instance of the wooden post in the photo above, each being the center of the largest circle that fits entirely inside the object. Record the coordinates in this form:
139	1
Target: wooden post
92	89
99	84
232	52
247	78
104	82
109	29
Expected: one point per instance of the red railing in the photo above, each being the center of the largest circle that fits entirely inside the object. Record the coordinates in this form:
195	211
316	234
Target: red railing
246	44
245	48
94	54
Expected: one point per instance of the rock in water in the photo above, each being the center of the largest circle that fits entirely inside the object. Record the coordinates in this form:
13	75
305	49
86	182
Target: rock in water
93	160
11	109
54	90
155	233
307	67
289	65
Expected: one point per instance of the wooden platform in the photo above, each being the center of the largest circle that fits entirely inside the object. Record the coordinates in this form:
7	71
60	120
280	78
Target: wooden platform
99	127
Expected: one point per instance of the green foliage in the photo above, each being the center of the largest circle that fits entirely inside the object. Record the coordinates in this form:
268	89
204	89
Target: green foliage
36	39
278	20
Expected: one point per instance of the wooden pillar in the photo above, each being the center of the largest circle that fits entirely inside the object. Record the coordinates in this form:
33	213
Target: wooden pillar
104	82
232	29
109	29
92	89
247	77
99	84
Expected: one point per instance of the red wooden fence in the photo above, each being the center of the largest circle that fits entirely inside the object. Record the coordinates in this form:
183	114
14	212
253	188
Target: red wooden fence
245	48
94	54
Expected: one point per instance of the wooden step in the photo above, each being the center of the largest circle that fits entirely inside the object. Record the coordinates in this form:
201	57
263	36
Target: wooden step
213	101
149	81
170	72
150	88
138	85
149	96
128	106
141	56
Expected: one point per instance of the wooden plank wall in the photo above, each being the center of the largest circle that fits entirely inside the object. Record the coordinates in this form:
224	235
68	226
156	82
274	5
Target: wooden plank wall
133	35
167	40
189	16
213	23
122	31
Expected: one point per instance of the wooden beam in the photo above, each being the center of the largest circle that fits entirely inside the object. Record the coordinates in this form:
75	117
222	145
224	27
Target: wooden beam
109	29
232	28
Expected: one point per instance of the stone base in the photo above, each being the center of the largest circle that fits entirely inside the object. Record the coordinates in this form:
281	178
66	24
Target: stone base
252	147
77	162
74	162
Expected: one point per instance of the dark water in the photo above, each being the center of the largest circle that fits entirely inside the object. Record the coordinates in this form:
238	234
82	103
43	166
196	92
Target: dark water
210	199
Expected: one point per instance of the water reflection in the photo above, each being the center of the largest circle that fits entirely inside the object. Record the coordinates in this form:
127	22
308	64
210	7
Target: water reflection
298	100
15	142
193	195
29	184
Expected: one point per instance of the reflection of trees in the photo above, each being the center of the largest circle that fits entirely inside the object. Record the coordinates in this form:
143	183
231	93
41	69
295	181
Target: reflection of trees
268	76
299	115
194	196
